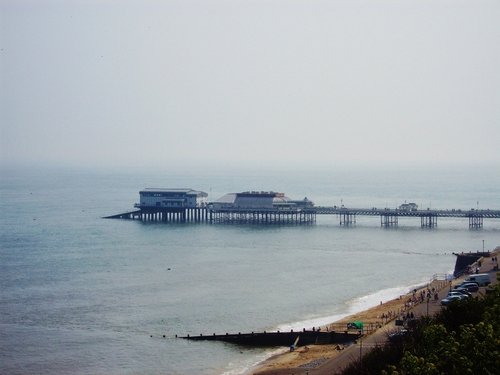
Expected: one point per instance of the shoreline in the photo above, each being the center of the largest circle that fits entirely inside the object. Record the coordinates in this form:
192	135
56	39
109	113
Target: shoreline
358	309
382	316
317	354
354	306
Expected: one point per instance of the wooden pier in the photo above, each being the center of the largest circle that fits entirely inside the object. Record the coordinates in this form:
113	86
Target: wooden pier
193	215
390	217
263	216
175	215
208	215
299	215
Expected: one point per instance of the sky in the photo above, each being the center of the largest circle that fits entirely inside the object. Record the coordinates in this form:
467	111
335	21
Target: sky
249	82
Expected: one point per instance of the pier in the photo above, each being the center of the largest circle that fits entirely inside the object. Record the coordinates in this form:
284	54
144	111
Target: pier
182	215
346	216
390	217
262	216
208	215
268	207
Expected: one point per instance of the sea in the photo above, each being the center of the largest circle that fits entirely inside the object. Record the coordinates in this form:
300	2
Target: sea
80	294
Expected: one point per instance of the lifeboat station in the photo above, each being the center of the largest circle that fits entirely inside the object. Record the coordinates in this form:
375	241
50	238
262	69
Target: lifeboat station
171	205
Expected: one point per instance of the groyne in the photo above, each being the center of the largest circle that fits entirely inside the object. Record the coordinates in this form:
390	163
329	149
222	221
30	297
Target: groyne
288	339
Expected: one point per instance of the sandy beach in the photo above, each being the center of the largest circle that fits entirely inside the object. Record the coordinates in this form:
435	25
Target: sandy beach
380	321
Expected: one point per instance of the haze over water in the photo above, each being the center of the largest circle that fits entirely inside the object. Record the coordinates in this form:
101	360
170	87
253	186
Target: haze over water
80	294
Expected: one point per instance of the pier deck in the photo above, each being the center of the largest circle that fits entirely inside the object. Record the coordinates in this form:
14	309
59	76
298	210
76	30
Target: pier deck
390	217
346	216
326	210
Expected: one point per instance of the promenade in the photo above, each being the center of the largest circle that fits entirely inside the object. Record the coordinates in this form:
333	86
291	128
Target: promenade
329	360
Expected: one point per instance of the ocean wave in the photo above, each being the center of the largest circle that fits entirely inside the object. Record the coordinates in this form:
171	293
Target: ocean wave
353	306
245	365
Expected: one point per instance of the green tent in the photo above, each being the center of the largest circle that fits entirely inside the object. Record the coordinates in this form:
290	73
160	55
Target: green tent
355	325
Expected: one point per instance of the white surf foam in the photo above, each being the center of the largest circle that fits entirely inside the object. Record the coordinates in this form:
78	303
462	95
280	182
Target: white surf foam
353	306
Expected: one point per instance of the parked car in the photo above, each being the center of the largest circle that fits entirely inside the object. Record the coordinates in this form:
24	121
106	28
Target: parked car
483	279
471	287
457	293
465	292
462	289
467	282
446	301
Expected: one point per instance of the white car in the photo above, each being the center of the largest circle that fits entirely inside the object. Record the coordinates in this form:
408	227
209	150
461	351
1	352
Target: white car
455	293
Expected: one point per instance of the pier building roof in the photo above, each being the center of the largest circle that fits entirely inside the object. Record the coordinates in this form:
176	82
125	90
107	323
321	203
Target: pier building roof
173	191
258	200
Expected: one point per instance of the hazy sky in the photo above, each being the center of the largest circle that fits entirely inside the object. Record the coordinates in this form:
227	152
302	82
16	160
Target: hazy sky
246	81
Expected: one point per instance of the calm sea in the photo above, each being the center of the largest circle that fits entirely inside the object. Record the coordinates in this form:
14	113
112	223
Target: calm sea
84	295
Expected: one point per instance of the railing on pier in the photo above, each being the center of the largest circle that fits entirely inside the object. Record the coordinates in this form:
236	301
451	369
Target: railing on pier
262	216
390	217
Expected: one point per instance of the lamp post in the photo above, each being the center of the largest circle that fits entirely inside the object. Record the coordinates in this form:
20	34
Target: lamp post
483	246
360	348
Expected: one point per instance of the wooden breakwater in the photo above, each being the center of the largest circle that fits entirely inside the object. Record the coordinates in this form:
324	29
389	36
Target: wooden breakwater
288	339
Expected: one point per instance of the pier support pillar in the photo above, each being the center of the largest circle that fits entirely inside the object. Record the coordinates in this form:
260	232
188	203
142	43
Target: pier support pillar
429	221
475	222
389	220
347	218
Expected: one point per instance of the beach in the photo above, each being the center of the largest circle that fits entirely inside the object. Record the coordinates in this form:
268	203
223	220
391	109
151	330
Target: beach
381	320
